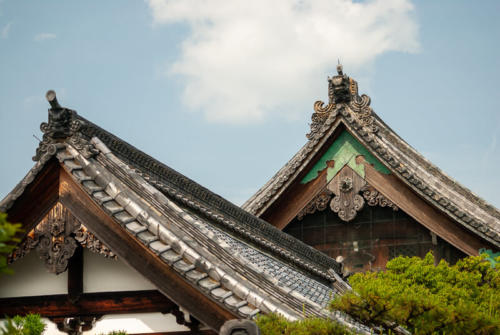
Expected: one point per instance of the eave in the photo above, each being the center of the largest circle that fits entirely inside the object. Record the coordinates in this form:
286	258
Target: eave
472	221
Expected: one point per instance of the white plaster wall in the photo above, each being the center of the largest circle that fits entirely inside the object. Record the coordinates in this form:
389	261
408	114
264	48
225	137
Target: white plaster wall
102	274
31	278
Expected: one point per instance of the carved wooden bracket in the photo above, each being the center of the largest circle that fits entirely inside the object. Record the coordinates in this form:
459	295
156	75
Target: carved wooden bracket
56	238
185	319
375	198
319	203
347	201
76	325
55	245
346	186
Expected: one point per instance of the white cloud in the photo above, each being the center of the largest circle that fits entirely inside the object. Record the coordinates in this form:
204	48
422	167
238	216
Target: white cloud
247	60
4	33
44	36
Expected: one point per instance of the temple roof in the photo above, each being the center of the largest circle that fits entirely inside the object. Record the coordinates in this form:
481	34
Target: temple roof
228	255
347	110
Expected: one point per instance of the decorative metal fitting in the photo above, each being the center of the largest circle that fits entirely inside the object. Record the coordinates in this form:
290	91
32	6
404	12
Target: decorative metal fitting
346	184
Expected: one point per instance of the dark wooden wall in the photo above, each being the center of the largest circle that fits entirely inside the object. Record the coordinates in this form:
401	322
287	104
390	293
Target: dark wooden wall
374	237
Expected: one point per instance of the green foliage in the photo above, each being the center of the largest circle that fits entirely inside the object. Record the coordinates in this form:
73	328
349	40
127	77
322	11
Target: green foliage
30	324
428	299
273	324
7	241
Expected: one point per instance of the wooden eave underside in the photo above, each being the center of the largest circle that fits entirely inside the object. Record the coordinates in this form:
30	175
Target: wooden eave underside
293	196
53	184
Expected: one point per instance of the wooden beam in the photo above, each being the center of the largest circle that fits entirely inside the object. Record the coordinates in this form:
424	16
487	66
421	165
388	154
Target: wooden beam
75	275
413	205
281	213
59	306
139	257
38	197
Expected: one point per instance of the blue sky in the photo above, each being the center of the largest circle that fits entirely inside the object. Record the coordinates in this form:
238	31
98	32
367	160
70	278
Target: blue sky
223	92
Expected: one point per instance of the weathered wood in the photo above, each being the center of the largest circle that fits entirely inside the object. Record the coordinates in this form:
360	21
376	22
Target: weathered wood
139	257
59	306
297	197
400	194
38	197
346	186
75	275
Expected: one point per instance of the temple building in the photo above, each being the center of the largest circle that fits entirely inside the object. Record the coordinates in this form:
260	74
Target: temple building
360	194
112	235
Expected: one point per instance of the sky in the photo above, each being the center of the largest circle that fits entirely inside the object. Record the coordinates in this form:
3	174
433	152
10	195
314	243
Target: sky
222	91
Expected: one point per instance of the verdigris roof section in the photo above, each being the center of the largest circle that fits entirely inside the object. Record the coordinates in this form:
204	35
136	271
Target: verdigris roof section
427	180
204	202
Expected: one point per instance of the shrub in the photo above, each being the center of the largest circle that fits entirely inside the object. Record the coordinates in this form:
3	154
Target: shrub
428	299
7	241
273	324
30	324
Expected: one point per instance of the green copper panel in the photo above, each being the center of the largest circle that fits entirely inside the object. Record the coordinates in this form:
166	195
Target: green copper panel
343	152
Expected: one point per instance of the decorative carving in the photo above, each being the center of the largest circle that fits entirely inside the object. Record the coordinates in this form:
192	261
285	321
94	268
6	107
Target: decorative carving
55	239
76	325
341	88
88	240
346	186
347	208
55	245
62	124
319	203
374	198
23	248
363	114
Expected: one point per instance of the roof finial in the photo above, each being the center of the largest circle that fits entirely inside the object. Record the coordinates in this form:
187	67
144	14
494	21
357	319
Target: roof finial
339	67
52	99
60	119
341	88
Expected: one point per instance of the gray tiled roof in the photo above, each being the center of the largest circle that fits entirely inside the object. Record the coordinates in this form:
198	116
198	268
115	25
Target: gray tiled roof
227	254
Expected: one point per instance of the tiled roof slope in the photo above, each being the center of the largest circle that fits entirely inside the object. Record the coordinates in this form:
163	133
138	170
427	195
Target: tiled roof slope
427	180
216	253
204	202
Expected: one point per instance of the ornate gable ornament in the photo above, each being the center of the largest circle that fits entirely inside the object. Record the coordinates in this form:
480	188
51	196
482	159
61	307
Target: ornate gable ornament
350	194
346	181
56	238
342	93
